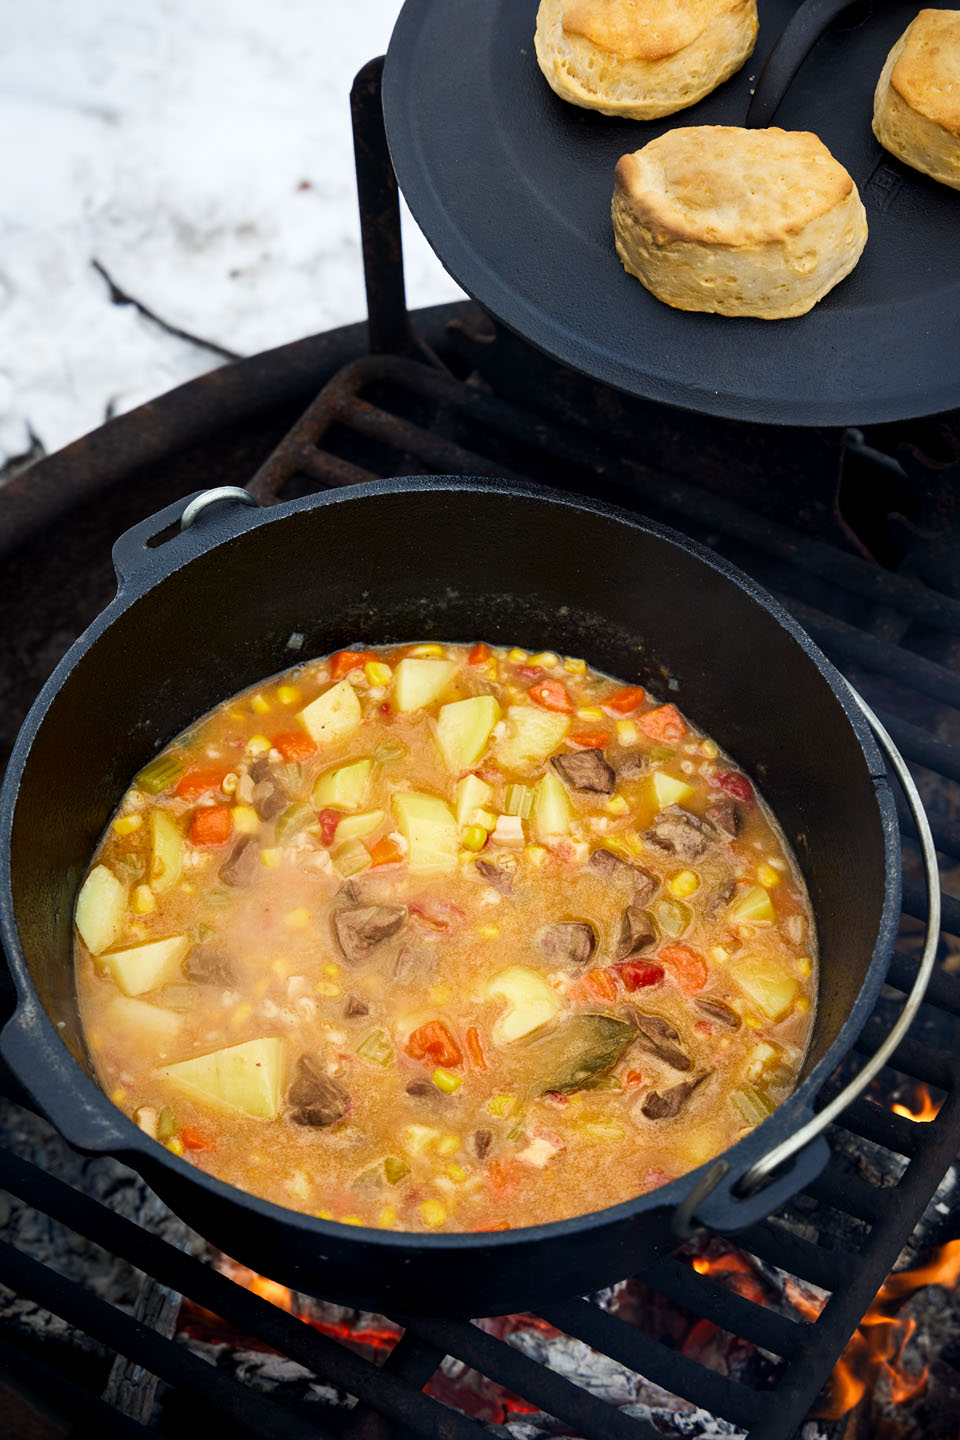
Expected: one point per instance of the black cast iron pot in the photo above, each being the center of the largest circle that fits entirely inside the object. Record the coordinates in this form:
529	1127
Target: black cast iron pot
213	610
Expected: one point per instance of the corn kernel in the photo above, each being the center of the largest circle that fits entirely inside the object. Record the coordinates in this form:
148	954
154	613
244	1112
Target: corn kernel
501	1105
519	656
574	666
486	818
616	805
709	750
536	854
126	824
143	900
421	651
351	1220
387	1218
323	1214
805	966
546	659
298	1185
260	705
245	819
628	733
257	745
767	876
270	858
489	932
473	837
117	1095
751	1022
448	1144
456	1172
377	673
432	1212
288	694
175	1145
446	1081
331	969
297	919
684	883
801	1004
492	670
617	844
440	994
230	782
329	988
242	1013
719	956
590	712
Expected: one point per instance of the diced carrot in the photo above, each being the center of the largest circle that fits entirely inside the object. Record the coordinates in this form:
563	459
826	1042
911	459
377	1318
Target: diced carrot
475	1049
199	780
599	985
500	1225
551	695
434	1042
385	852
211	825
294	745
589	739
686	965
346	660
505	1176
479	655
193	1140
626	700
328	820
633	1077
665	724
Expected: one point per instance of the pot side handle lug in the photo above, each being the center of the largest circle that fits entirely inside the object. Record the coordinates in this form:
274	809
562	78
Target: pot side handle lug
714	1204
146	550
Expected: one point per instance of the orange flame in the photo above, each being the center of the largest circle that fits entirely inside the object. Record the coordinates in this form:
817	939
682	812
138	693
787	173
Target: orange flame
929	1108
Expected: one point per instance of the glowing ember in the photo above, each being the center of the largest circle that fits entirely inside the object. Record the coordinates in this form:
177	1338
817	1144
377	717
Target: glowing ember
929	1108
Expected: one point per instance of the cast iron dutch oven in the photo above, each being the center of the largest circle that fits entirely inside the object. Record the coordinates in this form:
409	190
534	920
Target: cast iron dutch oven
213	610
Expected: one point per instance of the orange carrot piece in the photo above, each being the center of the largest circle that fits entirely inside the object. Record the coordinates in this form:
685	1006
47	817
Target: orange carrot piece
479	655
475	1049
434	1042
600	984
500	1225
385	852
626	700
199	780
589	739
551	695
193	1140
665	724
211	825
686	965
633	1077
504	1176
294	745
346	660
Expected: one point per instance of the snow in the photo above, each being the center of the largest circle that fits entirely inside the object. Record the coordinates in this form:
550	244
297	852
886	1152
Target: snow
201	153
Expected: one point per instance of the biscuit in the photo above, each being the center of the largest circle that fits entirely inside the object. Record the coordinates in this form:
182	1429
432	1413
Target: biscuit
916	108
642	58
737	222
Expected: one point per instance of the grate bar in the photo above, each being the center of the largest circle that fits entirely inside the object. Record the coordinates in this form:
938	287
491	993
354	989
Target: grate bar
880	1126
911	1057
943	990
922	748
555	1395
773	1242
846	1191
443	455
252	1413
915	903
670	1369
724	1307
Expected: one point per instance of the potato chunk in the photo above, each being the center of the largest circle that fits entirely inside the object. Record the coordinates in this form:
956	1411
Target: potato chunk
333	715
768	985
144	967
101	905
247	1077
344	788
428	825
530	737
669	791
531	1002
463	730
417	683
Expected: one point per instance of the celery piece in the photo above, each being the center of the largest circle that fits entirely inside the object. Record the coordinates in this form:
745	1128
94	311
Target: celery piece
351	858
166	1124
216	898
395	1169
159	775
518	800
672	917
389	750
661	752
377	1048
293	819
289	776
752	1105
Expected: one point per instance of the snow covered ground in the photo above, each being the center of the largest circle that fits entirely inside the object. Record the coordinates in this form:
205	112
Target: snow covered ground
200	151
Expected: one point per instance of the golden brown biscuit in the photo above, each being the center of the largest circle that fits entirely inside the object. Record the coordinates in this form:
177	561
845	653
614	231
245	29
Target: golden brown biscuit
916	108
737	222
642	58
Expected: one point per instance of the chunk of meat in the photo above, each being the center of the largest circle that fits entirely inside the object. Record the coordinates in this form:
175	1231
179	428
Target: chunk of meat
570	943
719	898
585	770
317	1099
360	929
259	769
613	867
631	765
209	965
718	1010
725	817
482	1141
423	1089
637	932
496	877
413	962
355	1007
658	1037
269	799
242	864
664	1105
676	832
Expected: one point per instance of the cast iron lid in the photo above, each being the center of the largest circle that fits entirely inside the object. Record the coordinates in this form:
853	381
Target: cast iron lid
512	188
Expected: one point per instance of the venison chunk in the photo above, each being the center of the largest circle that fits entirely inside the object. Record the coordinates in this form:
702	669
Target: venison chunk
482	1141
725	817
269	799
585	770
571	943
631	765
423	1088
719	898
718	1010
676	832
612	867
317	1098
361	929
242	864
413	962
664	1105
355	1007
259	769
208	965
637	932
657	1037
496	877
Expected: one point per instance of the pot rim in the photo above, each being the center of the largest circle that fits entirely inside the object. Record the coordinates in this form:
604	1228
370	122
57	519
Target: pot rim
117	1134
